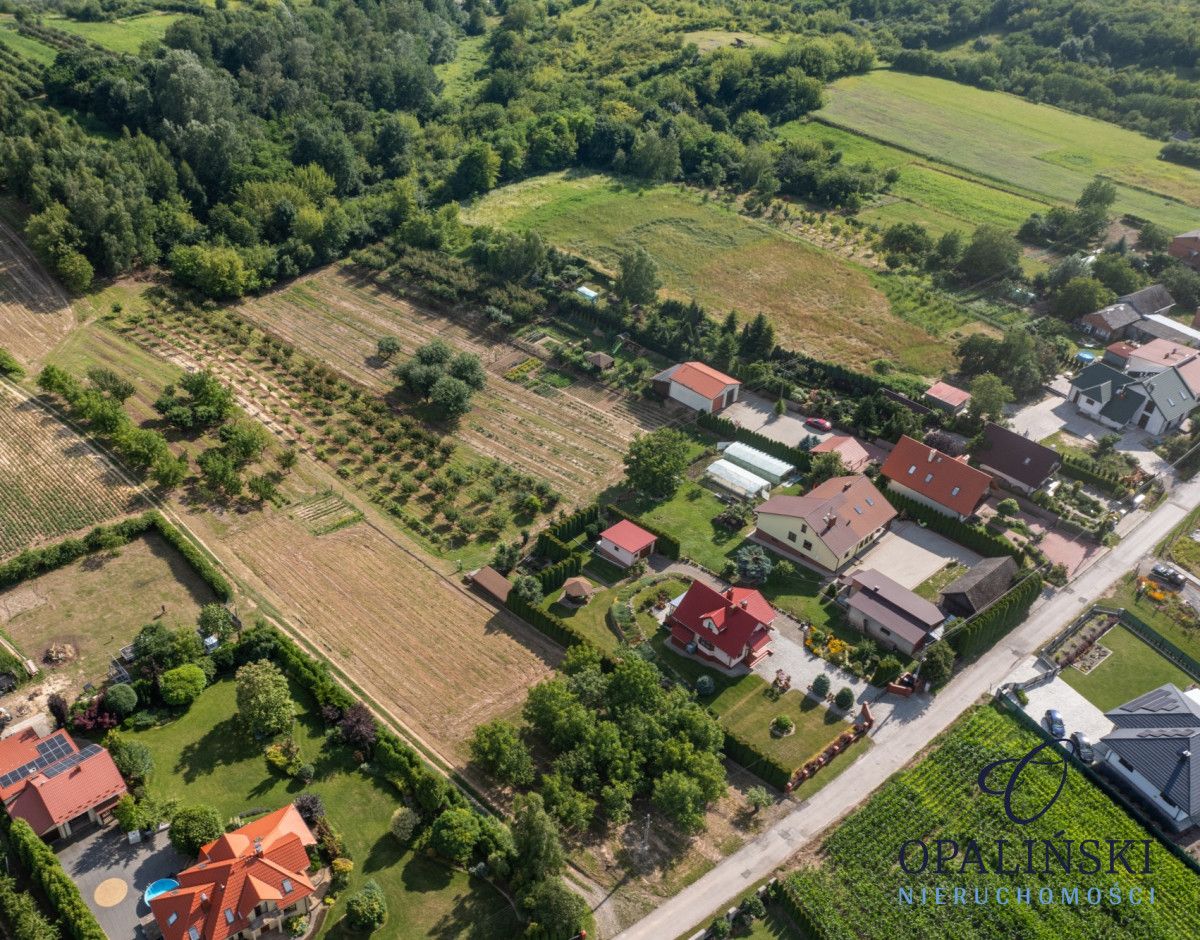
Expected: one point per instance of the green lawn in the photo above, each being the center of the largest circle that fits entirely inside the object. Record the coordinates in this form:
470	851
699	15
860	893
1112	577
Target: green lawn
1031	150
203	757
27	46
459	74
708	251
1157	618
590	619
119	35
746	709
932	586
688	516
1132	669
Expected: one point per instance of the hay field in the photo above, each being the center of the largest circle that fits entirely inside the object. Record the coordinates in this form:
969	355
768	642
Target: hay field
819	303
51	482
1023	146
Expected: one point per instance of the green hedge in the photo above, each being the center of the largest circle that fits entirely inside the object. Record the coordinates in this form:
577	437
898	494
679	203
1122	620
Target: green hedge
797	457
981	632
758	763
666	545
554	576
20	915
976	538
197	559
1086	469
554	627
575	523
551	547
47	873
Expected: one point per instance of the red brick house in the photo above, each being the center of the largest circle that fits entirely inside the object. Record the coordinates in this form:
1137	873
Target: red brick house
247	882
731	628
1186	248
52	784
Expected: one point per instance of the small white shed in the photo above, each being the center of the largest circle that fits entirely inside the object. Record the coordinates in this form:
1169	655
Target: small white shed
587	293
758	462
738	480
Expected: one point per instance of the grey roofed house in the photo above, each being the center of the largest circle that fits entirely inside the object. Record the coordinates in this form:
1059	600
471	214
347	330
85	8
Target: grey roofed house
880	599
973	591
1149	300
1101	382
1024	463
1153	743
1110	321
1160	326
1170	394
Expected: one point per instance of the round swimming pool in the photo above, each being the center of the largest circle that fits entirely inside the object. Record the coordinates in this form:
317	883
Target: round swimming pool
162	886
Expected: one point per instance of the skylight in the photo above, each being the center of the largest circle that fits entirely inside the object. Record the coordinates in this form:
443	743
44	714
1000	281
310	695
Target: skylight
174	917
858	510
870	501
287	885
912	469
193	933
228	915
954	492
929	478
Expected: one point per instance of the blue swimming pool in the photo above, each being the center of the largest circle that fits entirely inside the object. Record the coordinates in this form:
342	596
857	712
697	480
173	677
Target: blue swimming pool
162	886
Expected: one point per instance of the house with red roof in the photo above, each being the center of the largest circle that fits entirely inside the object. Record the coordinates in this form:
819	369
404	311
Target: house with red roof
935	479
625	543
245	883
854	456
947	397
732	628
53	784
700	387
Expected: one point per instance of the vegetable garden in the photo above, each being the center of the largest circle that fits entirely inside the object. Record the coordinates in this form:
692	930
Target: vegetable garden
854	892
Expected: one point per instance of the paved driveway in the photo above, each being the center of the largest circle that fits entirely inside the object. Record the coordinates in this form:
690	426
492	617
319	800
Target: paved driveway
112	874
909	554
1078	713
755	413
1038	421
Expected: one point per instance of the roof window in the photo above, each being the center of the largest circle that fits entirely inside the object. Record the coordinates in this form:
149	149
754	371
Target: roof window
955	491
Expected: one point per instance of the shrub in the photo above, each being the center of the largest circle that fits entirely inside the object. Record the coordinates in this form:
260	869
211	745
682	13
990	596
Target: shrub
367	910
782	724
121	699
310	807
342	868
192	827
820	685
719	929
454	834
182	685
887	671
403	824
844	698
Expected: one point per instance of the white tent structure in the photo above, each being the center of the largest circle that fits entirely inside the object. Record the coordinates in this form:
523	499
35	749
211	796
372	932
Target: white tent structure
738	479
757	462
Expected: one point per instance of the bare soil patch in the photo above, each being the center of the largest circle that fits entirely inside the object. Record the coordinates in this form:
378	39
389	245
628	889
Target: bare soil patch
35	314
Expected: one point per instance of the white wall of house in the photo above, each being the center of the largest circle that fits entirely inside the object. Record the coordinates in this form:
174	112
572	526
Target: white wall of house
924	500
617	553
1178	817
878	632
798	536
693	400
1011	483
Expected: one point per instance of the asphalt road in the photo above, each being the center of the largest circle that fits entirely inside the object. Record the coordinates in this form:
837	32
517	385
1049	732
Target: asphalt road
897	742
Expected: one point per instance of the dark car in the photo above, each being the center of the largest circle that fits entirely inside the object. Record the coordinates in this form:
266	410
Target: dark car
1055	722
1168	575
1083	747
821	424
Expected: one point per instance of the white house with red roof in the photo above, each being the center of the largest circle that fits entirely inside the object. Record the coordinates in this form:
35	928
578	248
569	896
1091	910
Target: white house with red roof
947	484
700	387
731	628
247	882
625	543
52	784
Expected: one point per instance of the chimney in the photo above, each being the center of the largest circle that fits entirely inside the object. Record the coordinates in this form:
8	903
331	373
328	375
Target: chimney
744	603
204	900
847	485
932	454
258	849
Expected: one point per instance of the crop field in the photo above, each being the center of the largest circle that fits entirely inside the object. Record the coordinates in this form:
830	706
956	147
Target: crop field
34	312
1027	148
119	35
819	303
51	482
572	437
424	648
854	893
98	603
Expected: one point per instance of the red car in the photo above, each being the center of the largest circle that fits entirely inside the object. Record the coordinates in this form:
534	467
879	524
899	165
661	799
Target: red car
820	424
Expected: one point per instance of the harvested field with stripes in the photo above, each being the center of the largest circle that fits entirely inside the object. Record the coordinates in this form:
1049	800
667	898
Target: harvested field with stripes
35	314
51	482
573	437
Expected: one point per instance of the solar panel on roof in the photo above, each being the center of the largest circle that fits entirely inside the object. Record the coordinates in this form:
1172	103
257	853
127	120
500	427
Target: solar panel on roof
73	761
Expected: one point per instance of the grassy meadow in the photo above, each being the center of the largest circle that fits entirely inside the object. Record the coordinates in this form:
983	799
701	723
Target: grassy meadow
1028	149
24	45
819	303
119	35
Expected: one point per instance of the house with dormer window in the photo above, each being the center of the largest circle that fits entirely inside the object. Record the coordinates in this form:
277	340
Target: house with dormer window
730	628
946	484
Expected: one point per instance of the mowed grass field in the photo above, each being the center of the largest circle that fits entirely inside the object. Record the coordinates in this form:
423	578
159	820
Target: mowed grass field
119	35
819	303
1132	668
1028	148
98	604
30	48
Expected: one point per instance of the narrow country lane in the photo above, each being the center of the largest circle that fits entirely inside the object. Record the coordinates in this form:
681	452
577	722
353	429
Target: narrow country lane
896	743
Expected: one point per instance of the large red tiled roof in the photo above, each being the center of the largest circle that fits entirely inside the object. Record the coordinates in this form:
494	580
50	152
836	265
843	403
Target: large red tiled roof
701	379
740	617
842	511
263	861
948	394
632	538
936	476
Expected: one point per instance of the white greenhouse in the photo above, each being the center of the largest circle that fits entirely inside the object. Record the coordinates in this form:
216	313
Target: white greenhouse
757	462
738	480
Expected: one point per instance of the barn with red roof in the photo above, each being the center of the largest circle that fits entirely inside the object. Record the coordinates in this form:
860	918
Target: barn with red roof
700	387
625	543
246	883
731	628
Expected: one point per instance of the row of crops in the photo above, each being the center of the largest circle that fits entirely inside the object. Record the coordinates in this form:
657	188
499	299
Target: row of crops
55	38
19	73
855	891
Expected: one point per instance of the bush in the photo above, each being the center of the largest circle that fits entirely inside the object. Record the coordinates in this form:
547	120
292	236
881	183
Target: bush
367	910
60	891
181	686
342	868
121	699
820	685
782	724
844	698
454	834
310	807
887	671
192	827
404	823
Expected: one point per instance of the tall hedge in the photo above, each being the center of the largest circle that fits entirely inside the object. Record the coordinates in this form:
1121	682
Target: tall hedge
554	576
554	627
551	546
984	630
974	537
1087	470
755	761
47	873
666	545
575	523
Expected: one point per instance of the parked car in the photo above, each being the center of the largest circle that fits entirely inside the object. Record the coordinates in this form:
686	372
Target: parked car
821	424
1168	575
1055	722
1083	747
